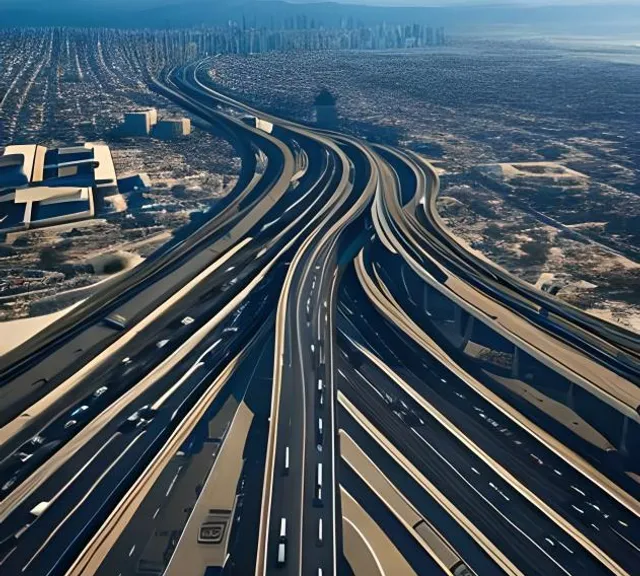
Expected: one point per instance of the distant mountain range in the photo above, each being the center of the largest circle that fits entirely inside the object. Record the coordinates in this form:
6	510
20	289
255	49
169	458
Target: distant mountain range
571	19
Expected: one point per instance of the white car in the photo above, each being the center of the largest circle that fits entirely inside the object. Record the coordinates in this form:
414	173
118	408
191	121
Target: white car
80	410
187	320
23	456
8	484
37	440
100	391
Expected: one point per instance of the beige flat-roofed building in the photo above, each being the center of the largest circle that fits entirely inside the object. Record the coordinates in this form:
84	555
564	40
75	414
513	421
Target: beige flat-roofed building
48	195
105	171
40	187
20	165
28	152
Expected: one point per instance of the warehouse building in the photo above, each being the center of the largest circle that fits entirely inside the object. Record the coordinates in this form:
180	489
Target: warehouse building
43	187
172	128
139	123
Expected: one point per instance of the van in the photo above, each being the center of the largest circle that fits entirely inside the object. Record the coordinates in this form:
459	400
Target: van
282	542
286	460
317	500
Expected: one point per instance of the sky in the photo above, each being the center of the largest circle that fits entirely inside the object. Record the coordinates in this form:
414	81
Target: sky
475	2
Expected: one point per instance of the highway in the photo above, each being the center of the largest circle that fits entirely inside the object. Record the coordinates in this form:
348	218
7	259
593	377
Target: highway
317	366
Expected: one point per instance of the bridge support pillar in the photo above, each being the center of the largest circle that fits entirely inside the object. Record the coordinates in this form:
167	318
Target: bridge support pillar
623	438
515	363
571	401
468	332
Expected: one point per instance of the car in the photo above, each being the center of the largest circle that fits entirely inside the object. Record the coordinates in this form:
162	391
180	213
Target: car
147	412
100	391
117	321
282	553
132	421
23	456
8	484
140	417
80	410
187	320
162	343
37	440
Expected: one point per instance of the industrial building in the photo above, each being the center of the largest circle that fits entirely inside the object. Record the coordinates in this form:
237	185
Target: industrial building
43	187
139	123
171	128
146	123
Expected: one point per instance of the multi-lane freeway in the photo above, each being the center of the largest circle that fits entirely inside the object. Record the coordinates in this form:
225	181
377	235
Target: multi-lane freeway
319	378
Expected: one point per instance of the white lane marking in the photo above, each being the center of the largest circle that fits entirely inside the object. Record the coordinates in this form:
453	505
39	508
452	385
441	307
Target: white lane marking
269	224
368	383
81	470
173	482
576	508
156	513
578	490
564	546
81	501
131	551
625	539
298	200
367	543
506	518
199	363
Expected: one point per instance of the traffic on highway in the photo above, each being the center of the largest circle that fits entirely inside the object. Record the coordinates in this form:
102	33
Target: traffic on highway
319	378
